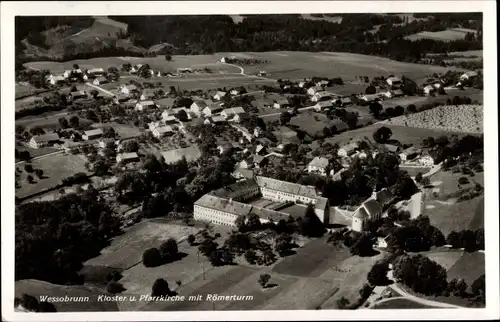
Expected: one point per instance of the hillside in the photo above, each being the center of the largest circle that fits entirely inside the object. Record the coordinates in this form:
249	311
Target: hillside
390	35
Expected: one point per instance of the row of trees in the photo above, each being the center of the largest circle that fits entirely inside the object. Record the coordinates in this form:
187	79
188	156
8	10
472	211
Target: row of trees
470	240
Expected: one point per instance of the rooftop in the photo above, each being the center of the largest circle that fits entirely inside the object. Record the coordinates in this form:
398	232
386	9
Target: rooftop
46	137
319	162
93	132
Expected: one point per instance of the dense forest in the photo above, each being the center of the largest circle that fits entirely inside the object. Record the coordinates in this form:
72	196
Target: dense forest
373	34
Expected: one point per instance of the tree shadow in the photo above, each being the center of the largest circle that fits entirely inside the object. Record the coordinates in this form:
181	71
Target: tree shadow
270	285
175	258
288	252
369	253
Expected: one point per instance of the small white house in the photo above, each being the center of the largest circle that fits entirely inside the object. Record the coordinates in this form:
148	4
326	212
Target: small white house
53	80
318	165
219	95
143	105
321	96
324	105
429	89
95	72
212	109
281	103
77	95
232	112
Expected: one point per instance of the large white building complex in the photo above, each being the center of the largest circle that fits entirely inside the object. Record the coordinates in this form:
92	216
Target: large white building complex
223	206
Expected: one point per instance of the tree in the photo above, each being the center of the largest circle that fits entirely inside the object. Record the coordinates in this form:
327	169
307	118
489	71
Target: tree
101	168
268	257
151	257
283	244
131	146
382	135
28	168
207	246
115	288
30	303
191	239
310	225
74	121
182	116
375	109
363	246
410	109
264	279
94	93
160	288
63	123
399	110
285	117
30	179
378	274
370	90
251	256
479	287
169	250
39	173
168	57
253	222
418	177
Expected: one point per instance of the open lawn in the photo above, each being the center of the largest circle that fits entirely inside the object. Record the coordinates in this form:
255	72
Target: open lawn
400	303
124	131
446	258
55	168
126	250
405	135
448	215
311	123
38	288
469	267
445	35
284	64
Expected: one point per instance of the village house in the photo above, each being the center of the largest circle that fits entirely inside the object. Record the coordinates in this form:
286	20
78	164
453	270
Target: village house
236	91
321	96
260	149
347	149
95	72
242	174
197	107
259	161
77	95
409	154
215	120
120	98
219	95
322	106
397	93
128	89
262	103
322	83
391	148
429	89
127	157
246	163
143	105
387	94
370	97
92	134
318	165
40	141
313	90
147	95
281	103
169	119
102	143
161	131
212	109
53	80
69	72
468	76
100	80
393	81
343	101
233	113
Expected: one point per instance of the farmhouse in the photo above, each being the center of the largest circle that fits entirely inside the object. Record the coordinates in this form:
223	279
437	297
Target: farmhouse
212	109
391	148
232	112
39	141
128	89
77	95
69	72
370	97
322	106
161	131
393	81
318	165
237	91
169	119
408	154
223	206
262	103
429	89
344	101
147	95
143	105
127	157
219	95
100	80
468	76
281	103
92	134
321	96
313	90
347	149
197	107
215	119
53	80
95	72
